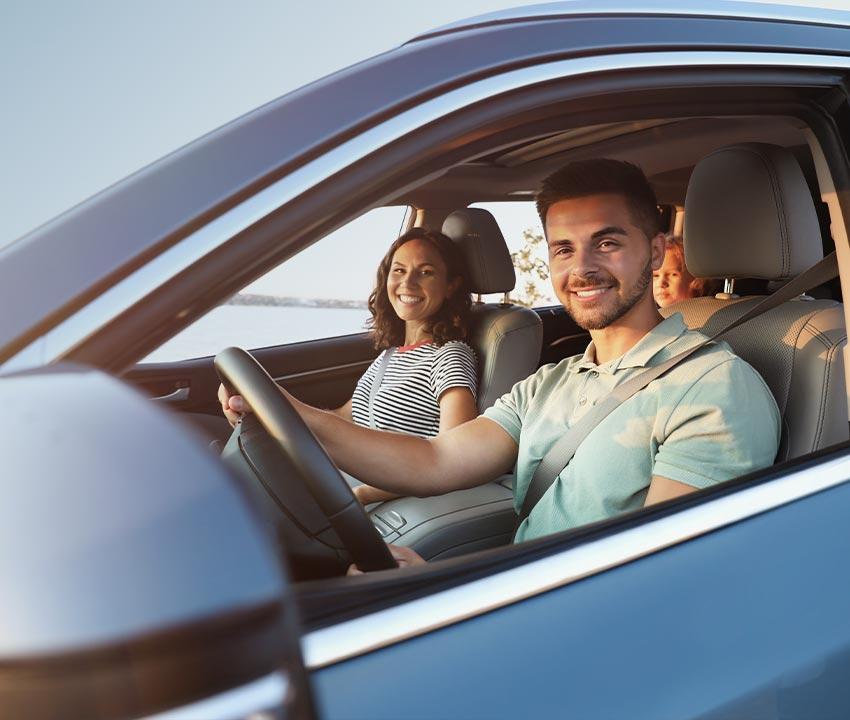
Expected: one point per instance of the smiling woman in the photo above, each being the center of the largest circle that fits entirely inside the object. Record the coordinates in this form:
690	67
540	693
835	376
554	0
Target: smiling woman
425	380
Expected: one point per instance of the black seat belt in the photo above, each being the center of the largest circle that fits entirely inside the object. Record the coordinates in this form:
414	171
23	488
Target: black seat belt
560	454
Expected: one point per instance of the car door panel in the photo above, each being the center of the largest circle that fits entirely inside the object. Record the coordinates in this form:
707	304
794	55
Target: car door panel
746	621
320	372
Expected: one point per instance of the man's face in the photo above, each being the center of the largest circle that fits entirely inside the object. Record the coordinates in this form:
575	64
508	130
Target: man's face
600	262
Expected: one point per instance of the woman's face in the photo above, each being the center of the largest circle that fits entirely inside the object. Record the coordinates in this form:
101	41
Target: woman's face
671	282
418	282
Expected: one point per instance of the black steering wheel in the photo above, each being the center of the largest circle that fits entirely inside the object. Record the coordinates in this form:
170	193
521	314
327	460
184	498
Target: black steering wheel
307	460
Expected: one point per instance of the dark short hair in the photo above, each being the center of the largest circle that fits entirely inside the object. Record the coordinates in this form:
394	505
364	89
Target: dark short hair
603	176
450	322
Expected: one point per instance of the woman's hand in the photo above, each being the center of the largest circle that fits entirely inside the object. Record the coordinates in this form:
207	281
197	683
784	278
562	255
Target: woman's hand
404	556
233	406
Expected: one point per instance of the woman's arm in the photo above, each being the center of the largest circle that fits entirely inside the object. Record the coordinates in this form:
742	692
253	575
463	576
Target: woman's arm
457	406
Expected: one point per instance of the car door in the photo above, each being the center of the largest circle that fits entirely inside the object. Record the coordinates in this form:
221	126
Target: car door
729	605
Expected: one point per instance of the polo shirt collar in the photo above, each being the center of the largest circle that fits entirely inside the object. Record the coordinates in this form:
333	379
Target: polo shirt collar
651	344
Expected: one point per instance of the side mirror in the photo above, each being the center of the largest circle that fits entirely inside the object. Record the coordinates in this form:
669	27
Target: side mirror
136	578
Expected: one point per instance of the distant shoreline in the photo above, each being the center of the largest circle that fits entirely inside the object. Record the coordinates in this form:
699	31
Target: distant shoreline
275	301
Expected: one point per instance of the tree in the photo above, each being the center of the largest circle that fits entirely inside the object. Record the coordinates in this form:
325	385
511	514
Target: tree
532	270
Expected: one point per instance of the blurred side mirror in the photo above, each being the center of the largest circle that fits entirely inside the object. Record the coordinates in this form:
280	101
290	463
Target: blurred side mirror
136	578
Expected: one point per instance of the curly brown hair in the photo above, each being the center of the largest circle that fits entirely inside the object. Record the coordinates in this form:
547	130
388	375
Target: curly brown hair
450	322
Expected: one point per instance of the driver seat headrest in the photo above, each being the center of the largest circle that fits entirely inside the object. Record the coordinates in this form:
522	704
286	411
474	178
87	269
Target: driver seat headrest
749	214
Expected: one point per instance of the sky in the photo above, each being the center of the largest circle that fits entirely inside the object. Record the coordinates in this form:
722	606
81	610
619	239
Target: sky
93	90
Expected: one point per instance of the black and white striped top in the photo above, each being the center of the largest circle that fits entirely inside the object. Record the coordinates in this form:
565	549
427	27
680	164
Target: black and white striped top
414	380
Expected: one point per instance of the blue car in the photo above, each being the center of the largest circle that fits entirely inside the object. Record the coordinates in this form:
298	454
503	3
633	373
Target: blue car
157	565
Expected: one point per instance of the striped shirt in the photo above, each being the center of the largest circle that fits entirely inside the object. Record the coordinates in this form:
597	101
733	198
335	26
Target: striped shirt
414	380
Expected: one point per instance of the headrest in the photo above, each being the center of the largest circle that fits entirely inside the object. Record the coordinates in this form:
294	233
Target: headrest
749	214
484	249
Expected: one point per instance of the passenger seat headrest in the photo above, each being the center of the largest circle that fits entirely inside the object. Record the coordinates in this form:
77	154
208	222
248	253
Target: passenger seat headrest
484	249
749	214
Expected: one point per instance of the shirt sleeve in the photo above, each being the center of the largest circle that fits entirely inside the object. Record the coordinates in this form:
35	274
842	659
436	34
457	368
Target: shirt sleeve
509	410
726	424
455	365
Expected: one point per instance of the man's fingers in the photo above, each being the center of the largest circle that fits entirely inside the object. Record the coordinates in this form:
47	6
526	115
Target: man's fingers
237	404
233	406
405	556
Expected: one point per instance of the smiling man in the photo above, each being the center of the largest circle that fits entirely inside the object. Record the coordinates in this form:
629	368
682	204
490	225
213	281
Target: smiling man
709	419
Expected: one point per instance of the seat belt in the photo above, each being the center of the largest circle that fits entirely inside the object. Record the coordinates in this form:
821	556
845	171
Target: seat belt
376	384
560	454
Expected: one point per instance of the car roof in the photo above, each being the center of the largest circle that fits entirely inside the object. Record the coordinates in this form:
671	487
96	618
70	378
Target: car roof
575	8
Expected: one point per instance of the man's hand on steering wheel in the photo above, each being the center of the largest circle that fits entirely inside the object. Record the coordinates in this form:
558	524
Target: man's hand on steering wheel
249	386
233	406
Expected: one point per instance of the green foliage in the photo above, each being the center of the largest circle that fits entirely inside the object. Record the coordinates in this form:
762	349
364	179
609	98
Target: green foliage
531	269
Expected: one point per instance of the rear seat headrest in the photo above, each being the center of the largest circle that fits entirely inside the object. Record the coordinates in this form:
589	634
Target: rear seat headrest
488	260
749	214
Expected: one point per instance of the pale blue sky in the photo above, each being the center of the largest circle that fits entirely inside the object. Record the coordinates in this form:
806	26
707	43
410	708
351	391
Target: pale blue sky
92	90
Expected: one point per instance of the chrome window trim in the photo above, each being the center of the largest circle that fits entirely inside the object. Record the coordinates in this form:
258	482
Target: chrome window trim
258	699
368	633
727	10
59	341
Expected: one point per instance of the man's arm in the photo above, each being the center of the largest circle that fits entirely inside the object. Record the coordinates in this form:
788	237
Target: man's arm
469	455
466	456
457	406
344	411
662	488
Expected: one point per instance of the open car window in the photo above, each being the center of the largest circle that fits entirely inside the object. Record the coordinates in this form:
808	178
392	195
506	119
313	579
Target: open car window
321	292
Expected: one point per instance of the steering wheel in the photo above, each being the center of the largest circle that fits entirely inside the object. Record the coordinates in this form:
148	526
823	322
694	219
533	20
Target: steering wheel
243	375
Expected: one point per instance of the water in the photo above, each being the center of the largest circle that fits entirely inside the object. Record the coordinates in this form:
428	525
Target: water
257	326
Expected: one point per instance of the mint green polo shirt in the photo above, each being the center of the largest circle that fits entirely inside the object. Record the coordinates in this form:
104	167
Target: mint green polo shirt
709	419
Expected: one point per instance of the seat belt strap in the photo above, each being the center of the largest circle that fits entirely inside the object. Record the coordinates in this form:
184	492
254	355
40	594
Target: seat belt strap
376	384
560	454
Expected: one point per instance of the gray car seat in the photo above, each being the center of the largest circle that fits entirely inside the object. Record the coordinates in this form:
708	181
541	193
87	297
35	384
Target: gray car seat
507	338
749	214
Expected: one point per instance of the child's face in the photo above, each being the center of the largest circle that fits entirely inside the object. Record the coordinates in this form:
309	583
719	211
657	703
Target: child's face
671	282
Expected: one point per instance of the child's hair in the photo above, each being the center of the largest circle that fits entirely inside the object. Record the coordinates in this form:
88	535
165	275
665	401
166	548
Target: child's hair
700	286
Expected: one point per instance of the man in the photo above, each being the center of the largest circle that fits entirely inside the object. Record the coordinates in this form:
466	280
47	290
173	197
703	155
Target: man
709	419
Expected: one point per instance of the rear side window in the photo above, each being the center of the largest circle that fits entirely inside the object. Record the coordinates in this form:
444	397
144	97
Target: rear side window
319	293
523	233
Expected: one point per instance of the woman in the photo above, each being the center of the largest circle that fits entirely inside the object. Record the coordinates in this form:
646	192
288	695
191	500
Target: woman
672	282
426	375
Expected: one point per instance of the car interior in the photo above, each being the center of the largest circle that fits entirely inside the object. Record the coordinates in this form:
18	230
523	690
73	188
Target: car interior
750	194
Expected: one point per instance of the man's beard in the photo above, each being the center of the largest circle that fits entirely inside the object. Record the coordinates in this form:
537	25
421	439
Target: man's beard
602	318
